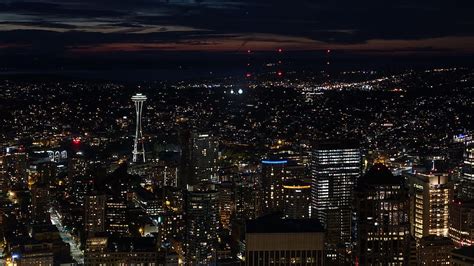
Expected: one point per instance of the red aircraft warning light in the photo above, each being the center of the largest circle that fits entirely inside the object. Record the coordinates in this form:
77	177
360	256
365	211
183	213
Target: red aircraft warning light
280	50
280	73
248	75
76	141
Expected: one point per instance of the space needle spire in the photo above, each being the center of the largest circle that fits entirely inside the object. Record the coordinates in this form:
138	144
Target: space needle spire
139	145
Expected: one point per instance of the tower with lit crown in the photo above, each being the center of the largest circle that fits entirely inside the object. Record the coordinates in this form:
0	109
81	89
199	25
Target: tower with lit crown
138	146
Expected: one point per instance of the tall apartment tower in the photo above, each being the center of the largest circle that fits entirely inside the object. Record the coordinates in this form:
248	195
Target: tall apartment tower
273	177
40	198
335	167
138	145
296	198
202	224
204	155
95	214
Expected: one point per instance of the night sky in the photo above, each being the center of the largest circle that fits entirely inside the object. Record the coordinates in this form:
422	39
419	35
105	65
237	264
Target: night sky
44	30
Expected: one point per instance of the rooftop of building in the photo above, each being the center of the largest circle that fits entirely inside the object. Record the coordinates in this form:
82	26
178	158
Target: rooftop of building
465	252
379	174
434	240
274	224
132	244
43	228
296	184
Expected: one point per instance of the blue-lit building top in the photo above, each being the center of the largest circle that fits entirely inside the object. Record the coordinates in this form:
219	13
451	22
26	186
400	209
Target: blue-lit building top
274	161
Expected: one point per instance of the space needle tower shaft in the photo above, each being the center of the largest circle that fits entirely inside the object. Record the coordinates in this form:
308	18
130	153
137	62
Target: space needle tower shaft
139	145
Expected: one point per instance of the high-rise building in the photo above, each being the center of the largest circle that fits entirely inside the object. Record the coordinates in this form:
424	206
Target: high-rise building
461	209
77	166
16	165
202	224
169	176
430	195
466	186
382	222
139	145
226	203
204	155
296	199
461	222
247	200
4	178
274	241
47	172
40	203
94	218
335	167
172	219
273	176
116	217
434	250
149	202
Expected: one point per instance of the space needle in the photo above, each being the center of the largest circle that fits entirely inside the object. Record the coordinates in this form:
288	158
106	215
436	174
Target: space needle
139	145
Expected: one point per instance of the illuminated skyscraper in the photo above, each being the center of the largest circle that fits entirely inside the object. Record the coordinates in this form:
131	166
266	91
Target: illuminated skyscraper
429	204
4	178
16	162
466	191
296	198
335	167
40	198
202	224
461	210
139	145
204	155
381	206
273	176
461	222
115	216
226	203
247	200
95	214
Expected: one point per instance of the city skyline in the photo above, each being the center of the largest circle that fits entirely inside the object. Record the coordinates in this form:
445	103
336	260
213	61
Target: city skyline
236	132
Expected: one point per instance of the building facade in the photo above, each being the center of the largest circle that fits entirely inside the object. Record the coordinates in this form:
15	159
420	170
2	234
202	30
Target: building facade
382	221
430	195
274	241
335	167
202	224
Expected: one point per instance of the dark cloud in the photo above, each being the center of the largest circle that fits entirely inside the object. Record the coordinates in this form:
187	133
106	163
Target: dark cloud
60	25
